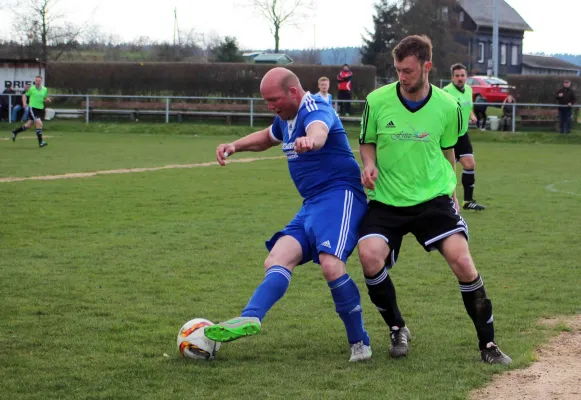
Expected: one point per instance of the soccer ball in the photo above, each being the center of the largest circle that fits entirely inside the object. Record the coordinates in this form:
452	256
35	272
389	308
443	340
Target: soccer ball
193	344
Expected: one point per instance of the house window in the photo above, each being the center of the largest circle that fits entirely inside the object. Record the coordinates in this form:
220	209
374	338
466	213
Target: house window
514	58
503	54
480	52
444	13
461	17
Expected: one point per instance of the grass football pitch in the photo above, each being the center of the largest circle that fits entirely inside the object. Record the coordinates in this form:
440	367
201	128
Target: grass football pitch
97	274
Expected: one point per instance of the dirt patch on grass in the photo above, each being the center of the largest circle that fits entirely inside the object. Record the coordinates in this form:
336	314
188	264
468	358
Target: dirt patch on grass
556	375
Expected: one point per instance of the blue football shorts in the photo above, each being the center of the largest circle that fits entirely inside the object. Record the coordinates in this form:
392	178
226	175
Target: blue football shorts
327	223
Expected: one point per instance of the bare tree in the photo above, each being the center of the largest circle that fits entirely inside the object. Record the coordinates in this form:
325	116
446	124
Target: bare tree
41	26
281	13
209	42
307	56
339	55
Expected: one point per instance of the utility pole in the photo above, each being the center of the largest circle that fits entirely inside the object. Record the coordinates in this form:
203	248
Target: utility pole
176	30
176	34
495	49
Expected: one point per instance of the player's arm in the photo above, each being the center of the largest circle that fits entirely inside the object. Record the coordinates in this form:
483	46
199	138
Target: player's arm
317	127
257	141
473	118
370	172
24	100
317	133
450	156
449	140
367	148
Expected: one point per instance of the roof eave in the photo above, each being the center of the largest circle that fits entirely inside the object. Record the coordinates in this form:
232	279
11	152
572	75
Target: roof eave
547	67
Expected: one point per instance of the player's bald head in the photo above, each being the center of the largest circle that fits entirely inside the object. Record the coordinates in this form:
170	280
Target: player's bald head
279	78
282	91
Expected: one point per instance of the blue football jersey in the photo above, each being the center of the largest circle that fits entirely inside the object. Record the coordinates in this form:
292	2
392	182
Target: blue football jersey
332	166
328	99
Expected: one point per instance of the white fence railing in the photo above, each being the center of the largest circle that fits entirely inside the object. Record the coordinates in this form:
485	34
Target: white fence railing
84	105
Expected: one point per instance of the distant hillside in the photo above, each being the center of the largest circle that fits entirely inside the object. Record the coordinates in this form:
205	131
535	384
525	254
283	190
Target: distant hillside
332	56
340	55
572	58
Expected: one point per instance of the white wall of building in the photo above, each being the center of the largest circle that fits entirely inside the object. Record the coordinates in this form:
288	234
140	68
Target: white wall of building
19	73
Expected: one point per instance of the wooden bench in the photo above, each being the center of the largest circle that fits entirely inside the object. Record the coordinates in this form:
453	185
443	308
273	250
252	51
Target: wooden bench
545	116
178	109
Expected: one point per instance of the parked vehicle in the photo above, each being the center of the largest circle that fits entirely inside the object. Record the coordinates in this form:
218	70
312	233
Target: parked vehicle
491	89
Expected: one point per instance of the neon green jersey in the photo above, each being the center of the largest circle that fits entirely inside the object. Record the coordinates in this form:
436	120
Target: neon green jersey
37	97
412	167
465	101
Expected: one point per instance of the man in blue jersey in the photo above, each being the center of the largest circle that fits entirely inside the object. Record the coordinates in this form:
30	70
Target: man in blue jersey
325	230
324	84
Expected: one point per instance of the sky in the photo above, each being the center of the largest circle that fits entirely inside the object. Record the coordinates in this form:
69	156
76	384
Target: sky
332	23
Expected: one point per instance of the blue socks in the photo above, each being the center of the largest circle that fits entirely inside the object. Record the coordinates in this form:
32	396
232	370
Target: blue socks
272	288
344	291
348	306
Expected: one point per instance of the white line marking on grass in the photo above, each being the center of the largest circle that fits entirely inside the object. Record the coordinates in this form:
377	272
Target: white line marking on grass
26	137
552	188
130	170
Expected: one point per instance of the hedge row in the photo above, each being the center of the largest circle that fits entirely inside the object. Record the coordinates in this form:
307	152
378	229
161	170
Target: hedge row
240	80
189	79
541	89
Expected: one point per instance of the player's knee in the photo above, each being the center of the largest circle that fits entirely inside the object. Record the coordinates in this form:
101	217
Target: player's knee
372	258
467	162
332	267
463	267
273	260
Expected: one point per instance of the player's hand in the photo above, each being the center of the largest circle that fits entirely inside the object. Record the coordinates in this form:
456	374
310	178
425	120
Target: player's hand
47	100
473	120
369	176
223	151
304	144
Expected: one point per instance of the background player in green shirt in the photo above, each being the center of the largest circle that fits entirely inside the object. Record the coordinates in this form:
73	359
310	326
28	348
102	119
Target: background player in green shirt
38	96
463	149
408	133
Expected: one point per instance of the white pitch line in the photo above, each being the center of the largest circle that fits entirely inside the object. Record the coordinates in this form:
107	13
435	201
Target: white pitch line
25	137
552	188
130	170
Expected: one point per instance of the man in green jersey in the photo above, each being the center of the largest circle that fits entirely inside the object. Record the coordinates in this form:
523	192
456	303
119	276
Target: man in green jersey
38	96
408	133
463	149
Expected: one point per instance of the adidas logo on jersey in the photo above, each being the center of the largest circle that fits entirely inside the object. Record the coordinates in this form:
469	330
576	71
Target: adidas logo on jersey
390	125
326	243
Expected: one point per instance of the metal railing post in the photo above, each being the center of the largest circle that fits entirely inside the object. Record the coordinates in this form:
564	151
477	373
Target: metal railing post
251	113
87	110
10	109
167	110
513	118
